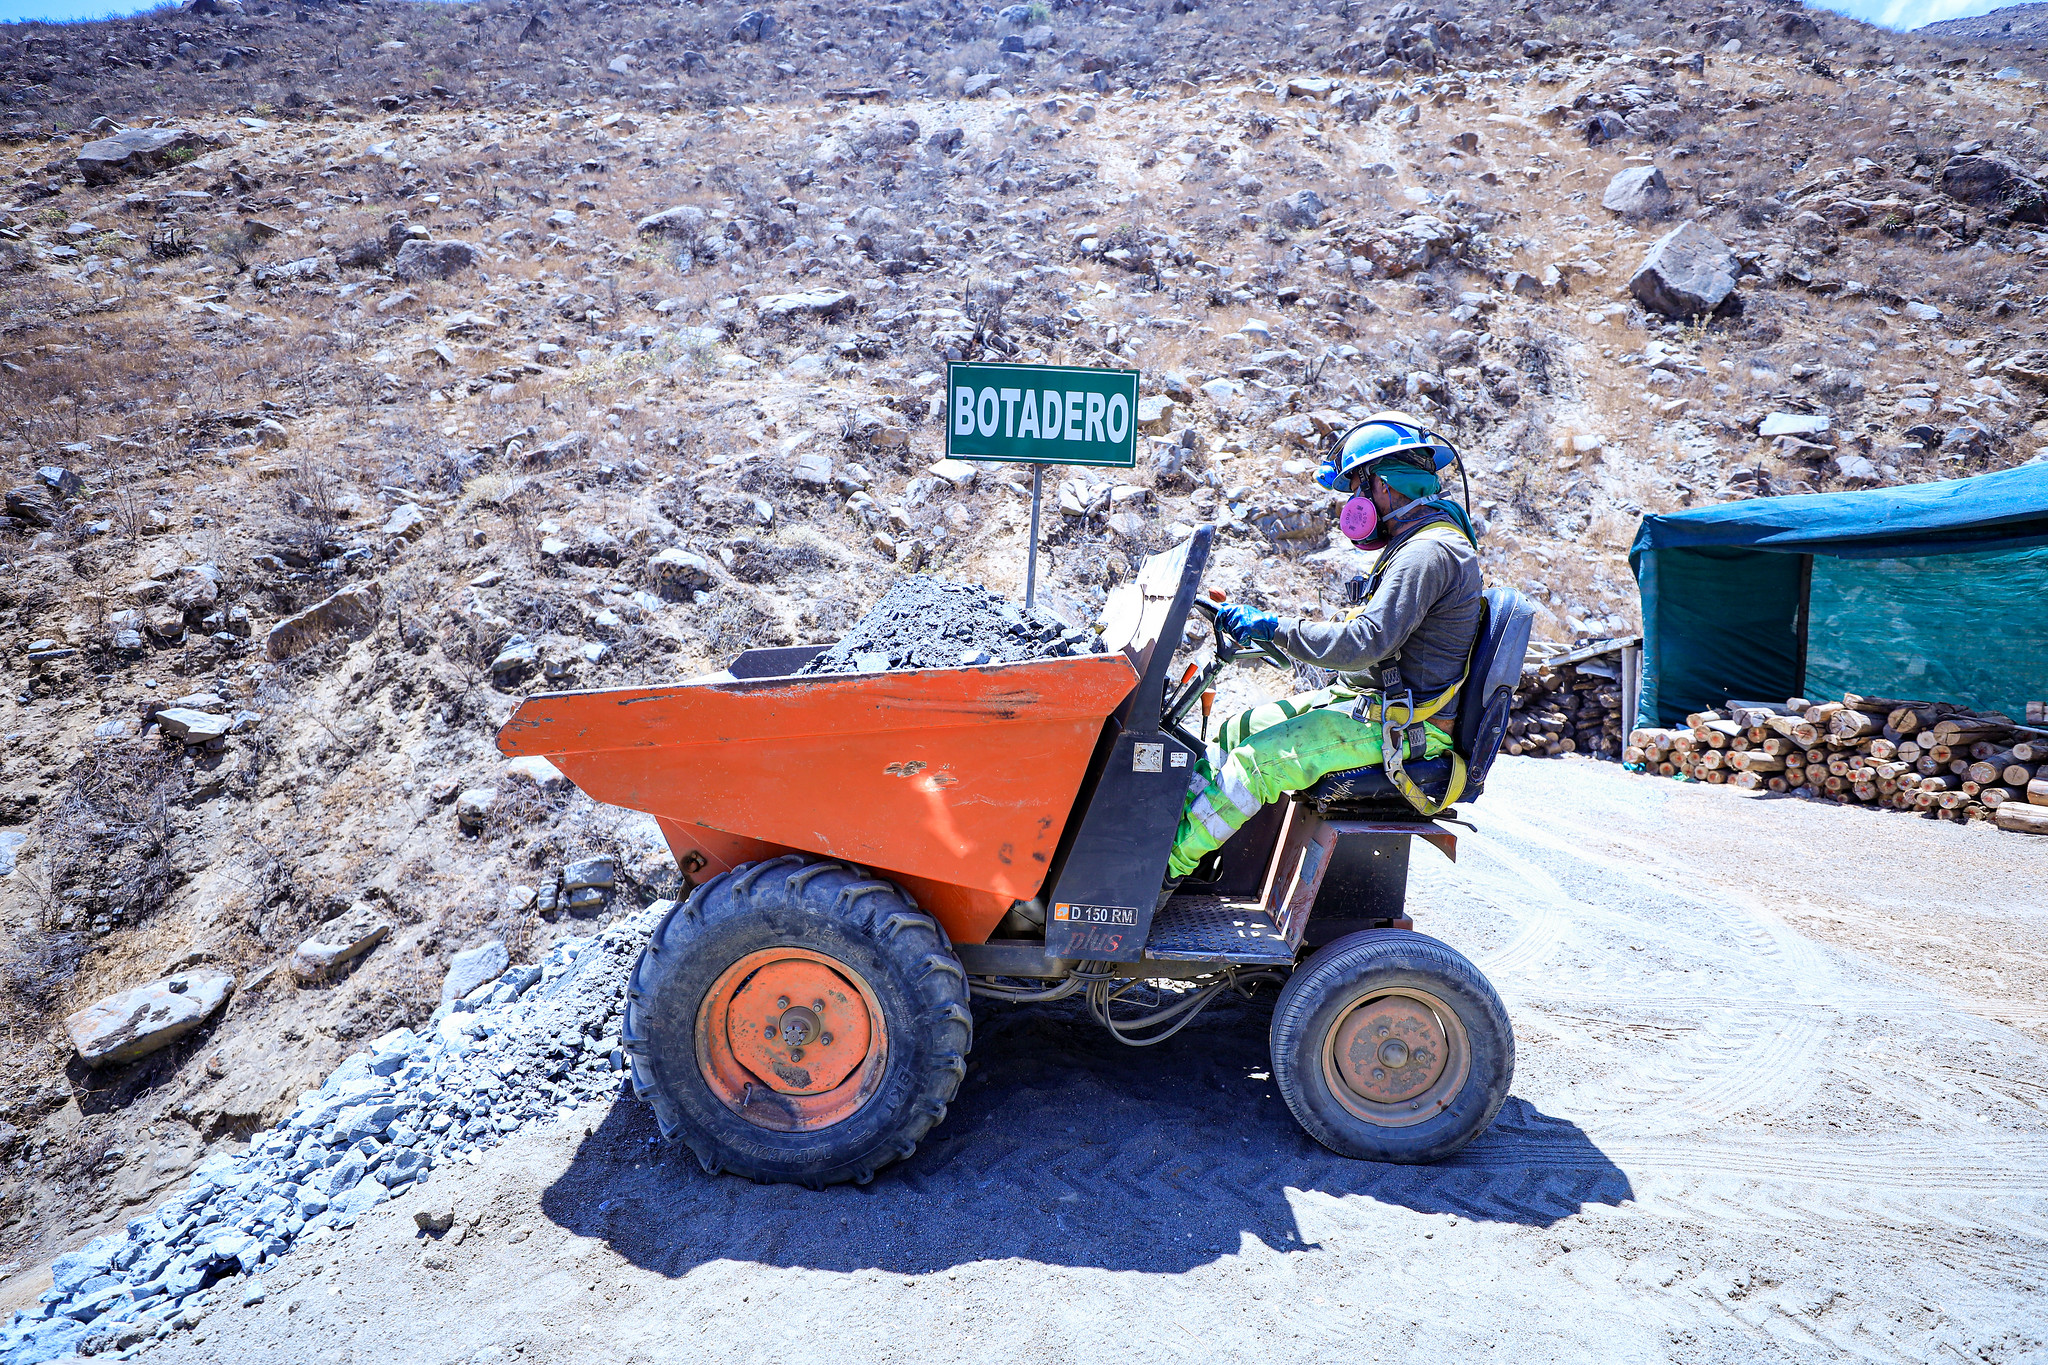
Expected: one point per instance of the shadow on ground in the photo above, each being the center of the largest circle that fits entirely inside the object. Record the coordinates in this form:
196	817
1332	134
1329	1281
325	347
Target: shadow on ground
1067	1148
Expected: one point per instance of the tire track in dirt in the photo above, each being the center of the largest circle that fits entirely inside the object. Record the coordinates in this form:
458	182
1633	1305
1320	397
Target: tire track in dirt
1722	1146
1750	1060
1754	1055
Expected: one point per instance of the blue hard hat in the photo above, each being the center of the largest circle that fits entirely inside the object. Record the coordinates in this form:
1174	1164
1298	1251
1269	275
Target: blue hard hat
1388	435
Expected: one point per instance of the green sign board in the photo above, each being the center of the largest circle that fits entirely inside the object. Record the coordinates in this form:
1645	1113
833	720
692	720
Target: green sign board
1042	414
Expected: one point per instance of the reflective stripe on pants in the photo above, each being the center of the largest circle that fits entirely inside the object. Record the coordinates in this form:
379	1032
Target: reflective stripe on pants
1266	751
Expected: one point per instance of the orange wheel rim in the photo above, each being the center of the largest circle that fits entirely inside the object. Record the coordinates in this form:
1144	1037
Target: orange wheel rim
1398	1058
791	1040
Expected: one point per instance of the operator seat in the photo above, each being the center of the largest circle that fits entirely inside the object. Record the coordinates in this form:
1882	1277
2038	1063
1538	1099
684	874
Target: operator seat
1499	648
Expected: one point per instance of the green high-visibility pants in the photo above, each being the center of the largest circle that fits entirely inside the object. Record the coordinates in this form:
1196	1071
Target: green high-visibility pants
1264	752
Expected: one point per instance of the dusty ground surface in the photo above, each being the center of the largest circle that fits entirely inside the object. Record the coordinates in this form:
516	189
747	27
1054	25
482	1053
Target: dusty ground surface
1781	1095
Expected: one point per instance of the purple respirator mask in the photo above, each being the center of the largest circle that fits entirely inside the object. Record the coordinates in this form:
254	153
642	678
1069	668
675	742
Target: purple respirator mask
1360	520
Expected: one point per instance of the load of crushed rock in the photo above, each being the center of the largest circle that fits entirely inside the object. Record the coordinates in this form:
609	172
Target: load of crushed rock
527	1046
930	623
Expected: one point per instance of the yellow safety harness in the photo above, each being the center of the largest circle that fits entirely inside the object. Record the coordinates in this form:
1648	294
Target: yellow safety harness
1403	736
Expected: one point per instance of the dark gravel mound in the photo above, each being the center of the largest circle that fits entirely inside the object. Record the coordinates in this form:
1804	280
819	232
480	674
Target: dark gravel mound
927	623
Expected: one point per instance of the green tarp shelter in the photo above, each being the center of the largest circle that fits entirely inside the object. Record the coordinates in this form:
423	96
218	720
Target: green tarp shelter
1928	592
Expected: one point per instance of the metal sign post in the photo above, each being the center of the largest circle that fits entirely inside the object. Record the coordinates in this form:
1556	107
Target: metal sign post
1041	415
1031	554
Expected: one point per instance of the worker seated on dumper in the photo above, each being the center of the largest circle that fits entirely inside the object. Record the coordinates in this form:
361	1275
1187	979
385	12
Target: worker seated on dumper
1399	657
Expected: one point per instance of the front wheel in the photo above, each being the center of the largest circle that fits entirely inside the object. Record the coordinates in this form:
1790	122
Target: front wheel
796	1020
1390	1046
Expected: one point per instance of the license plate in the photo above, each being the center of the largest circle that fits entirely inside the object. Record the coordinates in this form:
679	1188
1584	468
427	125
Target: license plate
1096	914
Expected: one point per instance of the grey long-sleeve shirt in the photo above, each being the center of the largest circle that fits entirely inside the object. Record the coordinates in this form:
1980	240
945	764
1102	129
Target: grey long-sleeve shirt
1426	610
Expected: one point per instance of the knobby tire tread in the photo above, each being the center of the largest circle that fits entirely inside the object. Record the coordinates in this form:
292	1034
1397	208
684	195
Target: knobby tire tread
934	1030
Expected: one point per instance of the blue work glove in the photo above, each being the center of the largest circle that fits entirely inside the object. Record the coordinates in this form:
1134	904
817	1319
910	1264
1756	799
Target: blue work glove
1248	624
1330	475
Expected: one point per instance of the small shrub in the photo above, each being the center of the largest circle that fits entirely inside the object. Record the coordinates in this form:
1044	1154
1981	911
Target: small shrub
310	494
108	837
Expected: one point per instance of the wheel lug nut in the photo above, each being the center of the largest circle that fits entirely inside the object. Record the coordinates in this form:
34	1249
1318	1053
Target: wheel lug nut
824	1040
796	1054
818	1005
782	1003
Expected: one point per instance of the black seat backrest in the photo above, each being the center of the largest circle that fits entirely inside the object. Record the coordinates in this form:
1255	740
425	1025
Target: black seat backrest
1498	652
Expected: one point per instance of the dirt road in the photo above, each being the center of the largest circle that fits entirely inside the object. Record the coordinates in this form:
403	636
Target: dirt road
1782	1095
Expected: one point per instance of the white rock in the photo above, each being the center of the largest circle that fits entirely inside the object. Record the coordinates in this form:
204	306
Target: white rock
823	303
336	945
1126	524
959	473
1792	424
473	807
541	773
1637	192
812	467
193	727
406	522
137	1022
473	967
678	568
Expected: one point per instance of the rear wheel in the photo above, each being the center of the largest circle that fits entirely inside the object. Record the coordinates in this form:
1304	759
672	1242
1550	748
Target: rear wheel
1390	1046
797	1020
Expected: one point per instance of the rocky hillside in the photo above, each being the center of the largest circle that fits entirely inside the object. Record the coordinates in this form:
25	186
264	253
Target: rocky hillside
366	367
2019	27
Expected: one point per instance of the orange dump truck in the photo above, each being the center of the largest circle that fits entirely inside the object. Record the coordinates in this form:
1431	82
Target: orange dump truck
867	854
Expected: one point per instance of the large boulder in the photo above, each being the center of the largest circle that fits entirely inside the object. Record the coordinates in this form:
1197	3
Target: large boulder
334	946
822	303
677	570
1412	244
1604	126
684	220
137	1022
134	151
472	967
193	726
755	26
1300	210
1155	415
1996	185
353	608
1795	24
2029	365
1638	192
33	504
1687	272
433	260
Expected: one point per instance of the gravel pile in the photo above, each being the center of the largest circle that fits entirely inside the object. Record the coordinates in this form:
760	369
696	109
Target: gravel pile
527	1046
929	623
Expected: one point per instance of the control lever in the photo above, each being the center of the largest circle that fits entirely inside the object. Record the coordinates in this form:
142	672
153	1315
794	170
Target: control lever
1229	647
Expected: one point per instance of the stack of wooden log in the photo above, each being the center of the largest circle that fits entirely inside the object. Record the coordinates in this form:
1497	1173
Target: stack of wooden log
1568	708
1940	760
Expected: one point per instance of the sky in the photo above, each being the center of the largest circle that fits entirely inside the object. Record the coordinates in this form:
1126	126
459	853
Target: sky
1900	14
11	10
